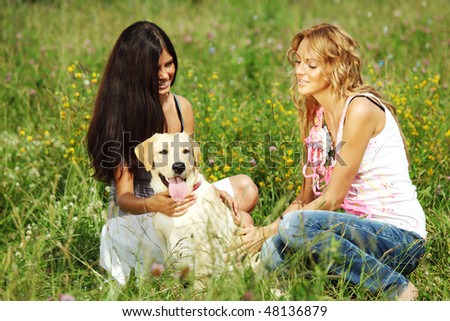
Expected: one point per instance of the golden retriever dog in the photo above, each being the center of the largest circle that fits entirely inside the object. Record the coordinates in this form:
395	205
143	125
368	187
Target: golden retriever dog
203	238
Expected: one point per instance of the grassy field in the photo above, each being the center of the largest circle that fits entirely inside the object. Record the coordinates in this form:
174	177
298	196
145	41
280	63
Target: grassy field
232	68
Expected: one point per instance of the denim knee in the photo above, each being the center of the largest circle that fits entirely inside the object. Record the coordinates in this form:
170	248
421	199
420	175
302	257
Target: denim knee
271	253
289	227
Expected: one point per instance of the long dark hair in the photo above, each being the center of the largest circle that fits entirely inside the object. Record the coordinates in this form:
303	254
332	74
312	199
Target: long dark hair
127	109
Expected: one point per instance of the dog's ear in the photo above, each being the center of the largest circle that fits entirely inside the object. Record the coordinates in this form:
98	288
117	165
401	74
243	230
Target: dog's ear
196	150
144	151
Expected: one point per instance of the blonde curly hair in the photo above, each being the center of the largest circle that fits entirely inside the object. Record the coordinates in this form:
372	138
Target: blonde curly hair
338	52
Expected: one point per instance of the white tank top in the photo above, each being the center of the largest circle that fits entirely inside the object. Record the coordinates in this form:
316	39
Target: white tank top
382	189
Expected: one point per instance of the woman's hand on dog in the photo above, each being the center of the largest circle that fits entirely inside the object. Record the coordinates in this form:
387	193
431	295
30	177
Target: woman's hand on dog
232	204
252	238
163	203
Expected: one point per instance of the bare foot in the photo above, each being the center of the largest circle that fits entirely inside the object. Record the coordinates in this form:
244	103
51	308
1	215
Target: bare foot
409	294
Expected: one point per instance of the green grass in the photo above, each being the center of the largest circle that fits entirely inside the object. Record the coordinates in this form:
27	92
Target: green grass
233	70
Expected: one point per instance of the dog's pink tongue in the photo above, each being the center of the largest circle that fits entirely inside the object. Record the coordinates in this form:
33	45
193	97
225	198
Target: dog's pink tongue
177	189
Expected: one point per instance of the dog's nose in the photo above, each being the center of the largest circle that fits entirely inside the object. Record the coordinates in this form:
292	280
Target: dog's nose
178	167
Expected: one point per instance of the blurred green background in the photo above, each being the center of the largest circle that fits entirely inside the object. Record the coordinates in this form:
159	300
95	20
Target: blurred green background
232	68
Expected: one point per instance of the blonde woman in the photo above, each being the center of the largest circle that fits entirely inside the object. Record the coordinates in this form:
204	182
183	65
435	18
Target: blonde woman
357	197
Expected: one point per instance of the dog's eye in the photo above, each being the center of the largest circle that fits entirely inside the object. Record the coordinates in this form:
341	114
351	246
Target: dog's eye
164	152
186	151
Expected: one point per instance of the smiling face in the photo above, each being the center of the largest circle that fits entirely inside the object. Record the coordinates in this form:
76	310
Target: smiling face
309	71
172	159
166	72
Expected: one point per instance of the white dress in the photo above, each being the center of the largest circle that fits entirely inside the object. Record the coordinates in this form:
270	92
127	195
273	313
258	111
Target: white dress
129	241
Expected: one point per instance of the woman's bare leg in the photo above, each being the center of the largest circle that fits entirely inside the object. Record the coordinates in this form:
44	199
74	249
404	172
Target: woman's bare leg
245	192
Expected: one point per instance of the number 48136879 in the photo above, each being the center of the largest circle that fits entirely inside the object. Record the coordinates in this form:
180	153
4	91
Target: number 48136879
299	311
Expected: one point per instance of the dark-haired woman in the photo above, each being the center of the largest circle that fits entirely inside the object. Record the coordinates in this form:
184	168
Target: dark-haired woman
134	101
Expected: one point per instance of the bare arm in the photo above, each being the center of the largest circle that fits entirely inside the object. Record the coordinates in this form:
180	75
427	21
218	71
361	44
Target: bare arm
254	237
161	202
188	115
125	197
362	123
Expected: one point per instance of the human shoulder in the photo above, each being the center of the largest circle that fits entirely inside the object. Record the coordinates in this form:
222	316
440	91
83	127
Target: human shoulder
188	114
365	113
363	109
185	104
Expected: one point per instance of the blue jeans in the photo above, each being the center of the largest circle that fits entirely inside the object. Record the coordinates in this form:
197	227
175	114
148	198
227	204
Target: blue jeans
374	254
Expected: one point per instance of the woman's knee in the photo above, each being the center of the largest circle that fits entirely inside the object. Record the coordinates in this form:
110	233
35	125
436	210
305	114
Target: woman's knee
289	227
246	192
271	253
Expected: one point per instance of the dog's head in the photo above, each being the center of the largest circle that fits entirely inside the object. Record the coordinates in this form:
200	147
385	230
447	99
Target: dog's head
172	159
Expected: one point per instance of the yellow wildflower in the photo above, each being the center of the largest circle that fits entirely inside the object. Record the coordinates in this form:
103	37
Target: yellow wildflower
436	79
